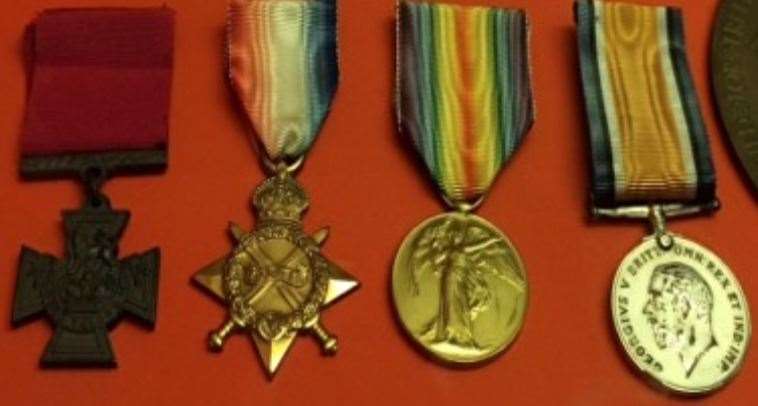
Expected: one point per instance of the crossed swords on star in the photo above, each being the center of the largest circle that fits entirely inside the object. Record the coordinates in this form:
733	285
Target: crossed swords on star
291	296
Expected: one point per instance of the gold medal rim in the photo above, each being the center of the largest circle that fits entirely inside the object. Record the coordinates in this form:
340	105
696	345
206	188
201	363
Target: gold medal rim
443	357
719	384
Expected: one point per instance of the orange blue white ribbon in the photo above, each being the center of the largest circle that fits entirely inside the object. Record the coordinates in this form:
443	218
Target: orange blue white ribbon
649	142
464	91
283	66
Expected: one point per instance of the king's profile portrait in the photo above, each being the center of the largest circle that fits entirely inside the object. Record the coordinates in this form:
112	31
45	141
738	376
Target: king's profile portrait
679	310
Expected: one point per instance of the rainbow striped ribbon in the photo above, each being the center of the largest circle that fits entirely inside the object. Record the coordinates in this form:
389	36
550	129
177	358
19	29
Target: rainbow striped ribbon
649	143
464	91
284	68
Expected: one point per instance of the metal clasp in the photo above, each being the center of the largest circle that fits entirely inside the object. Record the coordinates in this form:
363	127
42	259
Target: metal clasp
463	206
658	221
281	166
93	177
657	214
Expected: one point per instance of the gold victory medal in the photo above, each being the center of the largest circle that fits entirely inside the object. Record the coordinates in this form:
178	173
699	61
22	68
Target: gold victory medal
276	282
458	284
459	288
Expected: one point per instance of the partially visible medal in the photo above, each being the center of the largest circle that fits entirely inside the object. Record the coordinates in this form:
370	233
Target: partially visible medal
283	67
98	106
679	311
734	70
458	284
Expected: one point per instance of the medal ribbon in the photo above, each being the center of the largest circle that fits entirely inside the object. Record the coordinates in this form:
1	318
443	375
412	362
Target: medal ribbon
464	91
100	82
649	142
284	68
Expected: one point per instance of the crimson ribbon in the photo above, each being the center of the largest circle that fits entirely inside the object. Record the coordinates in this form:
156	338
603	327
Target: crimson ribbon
100	81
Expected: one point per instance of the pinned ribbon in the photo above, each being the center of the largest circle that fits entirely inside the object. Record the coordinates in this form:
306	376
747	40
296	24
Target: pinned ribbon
99	91
464	91
284	68
649	143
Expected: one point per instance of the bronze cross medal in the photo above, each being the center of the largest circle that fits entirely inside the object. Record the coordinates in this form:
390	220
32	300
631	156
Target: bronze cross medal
276	282
87	293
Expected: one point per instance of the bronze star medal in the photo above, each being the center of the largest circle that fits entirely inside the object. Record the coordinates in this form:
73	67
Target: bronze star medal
276	281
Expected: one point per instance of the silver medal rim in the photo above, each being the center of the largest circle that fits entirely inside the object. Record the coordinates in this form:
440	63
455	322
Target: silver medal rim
719	384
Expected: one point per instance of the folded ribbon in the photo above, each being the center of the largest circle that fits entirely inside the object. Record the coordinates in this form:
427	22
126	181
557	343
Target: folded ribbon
649	142
100	81
284	68
464	91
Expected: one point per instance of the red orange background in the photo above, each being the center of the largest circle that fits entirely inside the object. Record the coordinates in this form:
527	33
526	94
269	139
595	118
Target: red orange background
365	182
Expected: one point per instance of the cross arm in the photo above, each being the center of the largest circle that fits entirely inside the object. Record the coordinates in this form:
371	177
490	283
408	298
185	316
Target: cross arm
141	298
34	274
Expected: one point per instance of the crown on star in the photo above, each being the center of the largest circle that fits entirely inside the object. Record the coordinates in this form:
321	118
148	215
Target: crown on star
280	198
